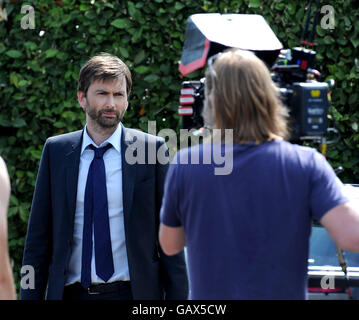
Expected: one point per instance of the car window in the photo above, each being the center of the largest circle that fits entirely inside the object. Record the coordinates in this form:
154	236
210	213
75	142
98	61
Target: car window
322	250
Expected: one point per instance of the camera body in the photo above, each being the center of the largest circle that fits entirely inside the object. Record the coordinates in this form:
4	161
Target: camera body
304	96
191	104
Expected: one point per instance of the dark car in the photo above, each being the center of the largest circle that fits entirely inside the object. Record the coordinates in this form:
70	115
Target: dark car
326	278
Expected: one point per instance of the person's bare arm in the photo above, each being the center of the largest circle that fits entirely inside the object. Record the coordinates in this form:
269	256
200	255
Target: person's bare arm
172	240
342	222
7	288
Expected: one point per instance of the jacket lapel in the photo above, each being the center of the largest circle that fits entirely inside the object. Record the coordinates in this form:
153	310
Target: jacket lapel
128	175
72	171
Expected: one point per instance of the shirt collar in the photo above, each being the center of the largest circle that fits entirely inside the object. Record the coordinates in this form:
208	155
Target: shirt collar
115	140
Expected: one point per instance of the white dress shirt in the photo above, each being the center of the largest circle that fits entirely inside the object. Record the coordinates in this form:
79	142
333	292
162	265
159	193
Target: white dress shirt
113	167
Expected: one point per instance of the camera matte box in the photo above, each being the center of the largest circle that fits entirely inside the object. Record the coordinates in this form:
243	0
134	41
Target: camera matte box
210	33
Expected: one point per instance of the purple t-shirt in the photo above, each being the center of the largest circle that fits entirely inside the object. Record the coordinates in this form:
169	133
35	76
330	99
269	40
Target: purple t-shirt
248	231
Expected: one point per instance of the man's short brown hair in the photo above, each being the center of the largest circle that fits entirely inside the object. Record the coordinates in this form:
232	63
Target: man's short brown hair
103	67
245	98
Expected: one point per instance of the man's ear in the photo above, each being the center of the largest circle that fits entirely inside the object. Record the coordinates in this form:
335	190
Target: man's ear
81	97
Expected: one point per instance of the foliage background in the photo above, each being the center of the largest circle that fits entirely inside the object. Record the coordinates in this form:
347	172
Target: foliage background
39	70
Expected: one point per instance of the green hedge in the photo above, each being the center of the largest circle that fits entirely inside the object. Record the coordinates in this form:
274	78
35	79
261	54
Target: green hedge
38	74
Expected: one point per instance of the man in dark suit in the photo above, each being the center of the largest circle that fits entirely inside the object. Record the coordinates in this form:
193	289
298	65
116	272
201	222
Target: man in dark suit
94	220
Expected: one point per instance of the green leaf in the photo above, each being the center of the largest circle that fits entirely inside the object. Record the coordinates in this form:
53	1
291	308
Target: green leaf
124	52
2	48
68	114
320	31
109	5
137	35
328	40
24	213
356	26
14	79
62	56
291	8
36	154
18	123
151	78
347	52
133	11
332	153
59	124
93	30
254	3
23	83
20	174
14	54
354	40
179	6
51	53
347	21
279	6
84	7
4	123
14	201
121	23
90	15
353	99
342	41
12	212
30	45
141	69
81	45
140	56
348	164
332	68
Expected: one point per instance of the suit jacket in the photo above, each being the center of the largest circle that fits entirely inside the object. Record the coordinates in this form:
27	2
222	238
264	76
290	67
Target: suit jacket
50	230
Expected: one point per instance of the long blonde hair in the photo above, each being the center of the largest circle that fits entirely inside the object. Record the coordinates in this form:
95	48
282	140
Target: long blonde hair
241	95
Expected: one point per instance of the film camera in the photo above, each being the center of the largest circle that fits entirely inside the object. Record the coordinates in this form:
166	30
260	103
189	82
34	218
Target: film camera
292	69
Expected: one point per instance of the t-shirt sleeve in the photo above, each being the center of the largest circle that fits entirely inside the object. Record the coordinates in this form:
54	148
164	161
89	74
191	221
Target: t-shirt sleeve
326	189
169	211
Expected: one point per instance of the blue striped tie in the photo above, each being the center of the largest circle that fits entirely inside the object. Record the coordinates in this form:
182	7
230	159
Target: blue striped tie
96	213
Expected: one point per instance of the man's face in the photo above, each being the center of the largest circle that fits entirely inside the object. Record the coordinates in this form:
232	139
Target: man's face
105	102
